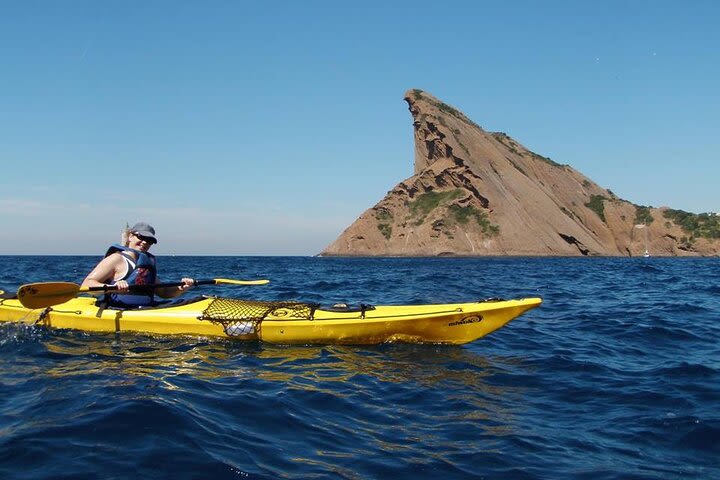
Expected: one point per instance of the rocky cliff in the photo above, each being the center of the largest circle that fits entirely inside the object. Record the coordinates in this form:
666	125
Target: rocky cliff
482	193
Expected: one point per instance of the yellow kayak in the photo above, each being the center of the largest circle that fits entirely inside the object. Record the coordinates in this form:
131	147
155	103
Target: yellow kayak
283	322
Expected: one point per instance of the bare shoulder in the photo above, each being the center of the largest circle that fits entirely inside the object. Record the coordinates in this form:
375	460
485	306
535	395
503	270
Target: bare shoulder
108	267
113	259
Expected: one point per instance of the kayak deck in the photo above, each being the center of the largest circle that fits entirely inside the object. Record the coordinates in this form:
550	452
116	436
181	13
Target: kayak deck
284	322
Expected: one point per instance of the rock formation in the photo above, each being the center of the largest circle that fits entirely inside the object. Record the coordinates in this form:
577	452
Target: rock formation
483	193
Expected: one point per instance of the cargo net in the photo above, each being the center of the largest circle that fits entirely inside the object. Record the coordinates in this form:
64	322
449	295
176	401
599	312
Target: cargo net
243	317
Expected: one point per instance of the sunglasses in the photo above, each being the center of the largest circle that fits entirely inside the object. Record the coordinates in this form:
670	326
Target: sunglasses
149	240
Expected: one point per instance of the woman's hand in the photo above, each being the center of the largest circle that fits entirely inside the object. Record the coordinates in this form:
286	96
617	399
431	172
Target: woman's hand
172	292
122	286
188	283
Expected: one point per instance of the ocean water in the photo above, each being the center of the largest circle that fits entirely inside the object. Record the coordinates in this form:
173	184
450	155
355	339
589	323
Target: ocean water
615	376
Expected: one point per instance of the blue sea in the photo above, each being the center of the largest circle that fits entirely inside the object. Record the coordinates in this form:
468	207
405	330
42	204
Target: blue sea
615	376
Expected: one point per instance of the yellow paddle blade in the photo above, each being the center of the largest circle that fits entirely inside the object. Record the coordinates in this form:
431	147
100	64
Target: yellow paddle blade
240	282
46	294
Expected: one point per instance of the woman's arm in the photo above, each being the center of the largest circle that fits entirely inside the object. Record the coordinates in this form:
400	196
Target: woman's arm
105	272
172	292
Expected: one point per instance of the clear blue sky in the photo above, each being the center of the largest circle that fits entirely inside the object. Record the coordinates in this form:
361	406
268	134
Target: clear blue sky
266	128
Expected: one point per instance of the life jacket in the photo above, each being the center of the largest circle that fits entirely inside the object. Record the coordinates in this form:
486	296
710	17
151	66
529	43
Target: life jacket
140	271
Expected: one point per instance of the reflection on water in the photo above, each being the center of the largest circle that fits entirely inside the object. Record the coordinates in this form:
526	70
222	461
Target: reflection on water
86	353
342	373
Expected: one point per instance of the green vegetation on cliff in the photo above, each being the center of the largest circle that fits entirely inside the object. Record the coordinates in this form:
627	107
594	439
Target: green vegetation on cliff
705	225
462	215
385	229
597	205
384	218
642	215
425	203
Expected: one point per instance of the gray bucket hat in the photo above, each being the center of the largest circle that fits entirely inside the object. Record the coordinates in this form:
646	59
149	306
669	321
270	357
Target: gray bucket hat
144	229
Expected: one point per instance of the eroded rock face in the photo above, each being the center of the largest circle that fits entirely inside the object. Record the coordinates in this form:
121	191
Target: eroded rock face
483	193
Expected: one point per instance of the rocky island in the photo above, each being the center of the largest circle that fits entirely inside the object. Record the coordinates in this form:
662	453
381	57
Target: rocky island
479	193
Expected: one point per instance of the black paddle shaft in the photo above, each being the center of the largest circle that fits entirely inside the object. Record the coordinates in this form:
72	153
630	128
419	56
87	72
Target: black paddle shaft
152	286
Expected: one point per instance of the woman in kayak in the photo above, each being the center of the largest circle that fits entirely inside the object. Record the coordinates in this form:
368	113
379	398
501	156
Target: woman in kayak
132	264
